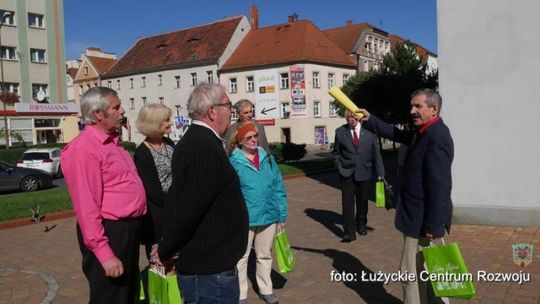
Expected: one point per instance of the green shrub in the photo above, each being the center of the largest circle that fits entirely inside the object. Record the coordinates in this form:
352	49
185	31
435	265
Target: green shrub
12	155
276	150
292	151
130	146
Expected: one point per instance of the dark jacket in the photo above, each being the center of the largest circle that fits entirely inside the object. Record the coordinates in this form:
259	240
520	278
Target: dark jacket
207	220
426	206
156	198
364	162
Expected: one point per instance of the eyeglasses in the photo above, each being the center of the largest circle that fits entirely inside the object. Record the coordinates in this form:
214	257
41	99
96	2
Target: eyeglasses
228	105
248	138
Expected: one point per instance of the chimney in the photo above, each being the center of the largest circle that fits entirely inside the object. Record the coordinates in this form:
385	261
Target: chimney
293	18
349	22
254	12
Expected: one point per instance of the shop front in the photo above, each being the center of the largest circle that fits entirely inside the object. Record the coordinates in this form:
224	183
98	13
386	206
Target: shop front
34	124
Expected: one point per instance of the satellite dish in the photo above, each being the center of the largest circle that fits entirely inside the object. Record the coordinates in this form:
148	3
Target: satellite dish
40	95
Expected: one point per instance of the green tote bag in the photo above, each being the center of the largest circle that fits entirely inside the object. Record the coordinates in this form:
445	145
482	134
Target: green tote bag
162	289
380	200
284	255
445	263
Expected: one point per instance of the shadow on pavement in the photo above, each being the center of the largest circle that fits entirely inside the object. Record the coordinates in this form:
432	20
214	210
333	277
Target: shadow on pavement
278	281
329	219
344	263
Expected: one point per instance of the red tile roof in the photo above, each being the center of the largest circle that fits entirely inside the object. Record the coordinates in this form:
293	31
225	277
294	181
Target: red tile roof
299	41
421	51
102	65
186	47
346	37
72	72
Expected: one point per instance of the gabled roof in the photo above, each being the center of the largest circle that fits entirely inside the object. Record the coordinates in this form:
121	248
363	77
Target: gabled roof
101	65
299	41
186	47
346	37
72	72
420	50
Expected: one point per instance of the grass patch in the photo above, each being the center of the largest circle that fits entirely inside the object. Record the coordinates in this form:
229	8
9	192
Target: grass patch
14	206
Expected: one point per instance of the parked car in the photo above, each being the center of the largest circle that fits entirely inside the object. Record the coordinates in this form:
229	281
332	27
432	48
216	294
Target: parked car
46	159
25	179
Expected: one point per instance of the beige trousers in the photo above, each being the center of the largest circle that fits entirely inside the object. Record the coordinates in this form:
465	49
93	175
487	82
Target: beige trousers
412	261
262	238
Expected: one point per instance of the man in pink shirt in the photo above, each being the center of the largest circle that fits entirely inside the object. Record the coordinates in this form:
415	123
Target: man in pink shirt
108	199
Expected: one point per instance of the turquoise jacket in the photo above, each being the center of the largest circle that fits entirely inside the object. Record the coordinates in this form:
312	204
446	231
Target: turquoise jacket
263	189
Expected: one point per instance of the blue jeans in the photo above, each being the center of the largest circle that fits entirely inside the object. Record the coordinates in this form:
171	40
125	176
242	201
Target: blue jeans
219	288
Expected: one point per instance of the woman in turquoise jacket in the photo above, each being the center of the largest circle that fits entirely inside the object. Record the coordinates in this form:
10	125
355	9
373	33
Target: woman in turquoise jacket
266	202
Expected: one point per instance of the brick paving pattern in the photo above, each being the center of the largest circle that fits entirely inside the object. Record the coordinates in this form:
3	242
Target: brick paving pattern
314	228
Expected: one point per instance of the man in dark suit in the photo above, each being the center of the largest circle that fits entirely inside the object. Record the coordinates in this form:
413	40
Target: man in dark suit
359	159
207	220
425	210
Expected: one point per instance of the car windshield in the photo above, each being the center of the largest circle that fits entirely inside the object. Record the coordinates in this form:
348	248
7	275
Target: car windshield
35	156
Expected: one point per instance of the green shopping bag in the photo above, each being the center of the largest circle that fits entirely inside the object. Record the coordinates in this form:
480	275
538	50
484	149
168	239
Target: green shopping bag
162	289
380	200
284	254
445	263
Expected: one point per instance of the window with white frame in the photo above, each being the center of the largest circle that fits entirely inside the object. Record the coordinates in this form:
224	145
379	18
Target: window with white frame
331	80
210	76
233	85
250	84
109	84
284	81
132	103
12	87
332	109
234	115
316	80
194	79
177	79
285	110
366	65
85	70
161	100
160	80
118	84
35	20
131	83
36	87
37	55
144	101
143	82
81	90
316	109
9	18
345	78
8	53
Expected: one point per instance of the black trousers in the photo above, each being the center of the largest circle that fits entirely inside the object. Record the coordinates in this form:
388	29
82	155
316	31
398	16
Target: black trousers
354	194
124	239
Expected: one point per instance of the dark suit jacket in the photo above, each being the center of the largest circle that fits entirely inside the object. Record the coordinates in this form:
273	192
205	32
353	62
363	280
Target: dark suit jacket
426	206
365	162
156	198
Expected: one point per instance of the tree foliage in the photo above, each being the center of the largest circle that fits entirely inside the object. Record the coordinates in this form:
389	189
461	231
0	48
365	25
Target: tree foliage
386	93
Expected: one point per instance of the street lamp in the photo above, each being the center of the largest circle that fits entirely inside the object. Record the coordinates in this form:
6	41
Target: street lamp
6	131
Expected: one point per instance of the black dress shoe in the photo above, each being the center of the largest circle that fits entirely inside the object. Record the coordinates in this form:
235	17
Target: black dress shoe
362	230
348	238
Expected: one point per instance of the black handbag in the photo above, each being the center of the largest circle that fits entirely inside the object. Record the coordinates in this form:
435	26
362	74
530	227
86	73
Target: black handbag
389	195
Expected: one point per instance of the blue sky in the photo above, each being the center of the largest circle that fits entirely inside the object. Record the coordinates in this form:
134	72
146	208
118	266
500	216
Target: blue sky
115	25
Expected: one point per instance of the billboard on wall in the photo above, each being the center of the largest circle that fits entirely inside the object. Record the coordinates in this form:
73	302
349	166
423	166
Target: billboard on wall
298	91
266	94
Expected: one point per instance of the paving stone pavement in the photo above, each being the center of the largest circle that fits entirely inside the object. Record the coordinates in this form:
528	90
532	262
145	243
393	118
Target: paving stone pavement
33	261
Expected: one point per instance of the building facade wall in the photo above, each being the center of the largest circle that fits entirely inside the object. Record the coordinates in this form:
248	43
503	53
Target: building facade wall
491	106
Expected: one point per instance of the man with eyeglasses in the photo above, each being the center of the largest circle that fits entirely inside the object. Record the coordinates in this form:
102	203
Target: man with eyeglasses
207	224
244	110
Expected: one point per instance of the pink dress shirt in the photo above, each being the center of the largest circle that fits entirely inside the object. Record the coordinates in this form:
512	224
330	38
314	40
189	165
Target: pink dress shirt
103	184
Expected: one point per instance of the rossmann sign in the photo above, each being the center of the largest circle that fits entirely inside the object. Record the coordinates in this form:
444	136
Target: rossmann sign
67	108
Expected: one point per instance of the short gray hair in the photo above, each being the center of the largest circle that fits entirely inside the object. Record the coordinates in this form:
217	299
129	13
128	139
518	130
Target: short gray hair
93	100
242	103
433	98
203	97
150	118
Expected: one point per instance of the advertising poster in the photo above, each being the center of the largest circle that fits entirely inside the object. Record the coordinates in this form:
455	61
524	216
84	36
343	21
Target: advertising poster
298	91
181	123
266	94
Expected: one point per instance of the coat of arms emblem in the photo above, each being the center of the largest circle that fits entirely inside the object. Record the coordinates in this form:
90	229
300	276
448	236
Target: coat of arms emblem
522	254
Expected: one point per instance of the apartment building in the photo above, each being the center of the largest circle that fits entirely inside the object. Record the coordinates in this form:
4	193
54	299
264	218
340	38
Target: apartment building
94	64
165	68
286	71
33	67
